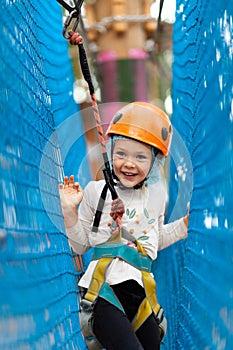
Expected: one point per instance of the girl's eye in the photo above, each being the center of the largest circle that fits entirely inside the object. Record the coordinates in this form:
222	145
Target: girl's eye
120	154
141	157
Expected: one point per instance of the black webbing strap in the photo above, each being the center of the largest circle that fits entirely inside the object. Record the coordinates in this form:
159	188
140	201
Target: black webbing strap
99	209
98	214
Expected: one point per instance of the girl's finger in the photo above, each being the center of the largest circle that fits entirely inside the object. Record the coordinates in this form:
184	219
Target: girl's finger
76	186
71	179
66	180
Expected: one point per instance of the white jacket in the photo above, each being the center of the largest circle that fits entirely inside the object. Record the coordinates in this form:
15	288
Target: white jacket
143	218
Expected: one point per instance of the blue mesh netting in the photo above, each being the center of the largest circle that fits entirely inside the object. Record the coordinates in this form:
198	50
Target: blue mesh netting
37	277
196	276
38	294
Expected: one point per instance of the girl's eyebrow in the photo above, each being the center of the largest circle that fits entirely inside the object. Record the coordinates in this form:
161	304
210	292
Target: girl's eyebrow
121	148
125	149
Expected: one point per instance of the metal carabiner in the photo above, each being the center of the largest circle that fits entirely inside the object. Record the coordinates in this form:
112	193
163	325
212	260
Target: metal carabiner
74	13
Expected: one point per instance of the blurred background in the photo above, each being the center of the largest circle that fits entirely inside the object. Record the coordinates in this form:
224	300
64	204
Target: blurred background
130	60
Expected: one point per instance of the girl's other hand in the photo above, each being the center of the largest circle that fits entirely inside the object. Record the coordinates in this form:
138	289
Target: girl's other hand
186	219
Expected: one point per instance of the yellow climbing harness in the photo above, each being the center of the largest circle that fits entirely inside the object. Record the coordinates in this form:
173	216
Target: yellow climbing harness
105	253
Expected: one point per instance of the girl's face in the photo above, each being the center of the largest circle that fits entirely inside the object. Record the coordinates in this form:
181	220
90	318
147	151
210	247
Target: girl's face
131	161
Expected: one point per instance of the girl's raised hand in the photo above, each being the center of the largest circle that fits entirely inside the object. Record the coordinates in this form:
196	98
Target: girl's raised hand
71	193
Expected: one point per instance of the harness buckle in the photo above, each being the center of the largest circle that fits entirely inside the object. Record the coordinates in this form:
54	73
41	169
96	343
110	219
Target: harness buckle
86	305
162	323
86	325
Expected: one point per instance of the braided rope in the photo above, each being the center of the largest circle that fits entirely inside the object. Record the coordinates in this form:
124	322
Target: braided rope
98	123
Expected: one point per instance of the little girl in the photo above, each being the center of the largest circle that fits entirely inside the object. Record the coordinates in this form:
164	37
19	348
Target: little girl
139	138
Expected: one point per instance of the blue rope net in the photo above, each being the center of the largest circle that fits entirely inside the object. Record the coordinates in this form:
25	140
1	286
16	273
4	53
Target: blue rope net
38	279
196	276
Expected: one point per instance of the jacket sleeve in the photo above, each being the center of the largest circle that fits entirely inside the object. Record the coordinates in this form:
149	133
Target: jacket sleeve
81	237
77	238
78	235
170	233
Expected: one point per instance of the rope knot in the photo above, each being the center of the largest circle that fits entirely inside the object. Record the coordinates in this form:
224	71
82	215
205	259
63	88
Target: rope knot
75	38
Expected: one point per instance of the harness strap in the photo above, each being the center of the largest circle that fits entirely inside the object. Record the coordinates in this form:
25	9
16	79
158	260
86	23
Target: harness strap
150	303
98	278
105	253
144	311
99	209
107	293
122	251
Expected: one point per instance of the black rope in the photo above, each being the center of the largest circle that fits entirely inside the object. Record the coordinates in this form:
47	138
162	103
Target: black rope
157	31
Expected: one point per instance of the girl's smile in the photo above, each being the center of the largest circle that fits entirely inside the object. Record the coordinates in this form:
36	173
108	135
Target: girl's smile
131	161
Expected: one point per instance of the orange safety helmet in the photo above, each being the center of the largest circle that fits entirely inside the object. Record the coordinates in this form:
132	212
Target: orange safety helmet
144	122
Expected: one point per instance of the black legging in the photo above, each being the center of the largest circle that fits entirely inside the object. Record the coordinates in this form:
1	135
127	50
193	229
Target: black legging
113	328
